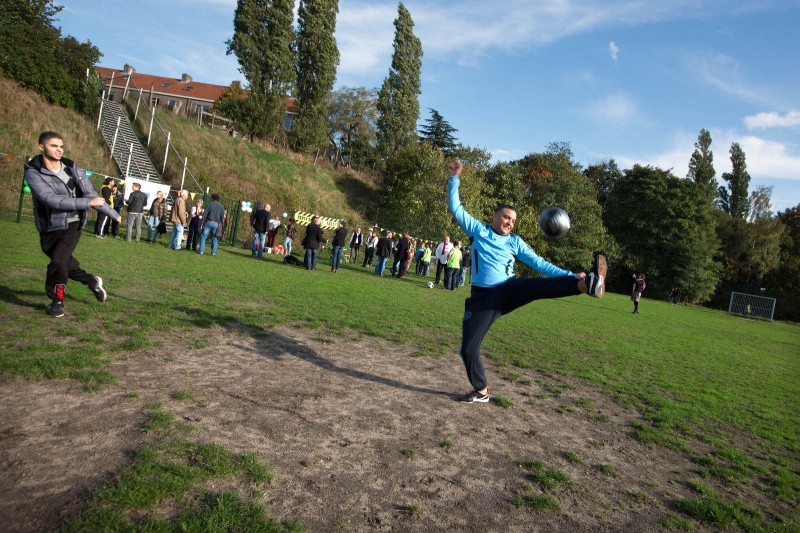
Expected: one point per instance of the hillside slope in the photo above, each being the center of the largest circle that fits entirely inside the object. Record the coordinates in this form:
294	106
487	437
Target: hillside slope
234	168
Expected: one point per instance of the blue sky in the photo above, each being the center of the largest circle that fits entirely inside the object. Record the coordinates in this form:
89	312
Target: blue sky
625	79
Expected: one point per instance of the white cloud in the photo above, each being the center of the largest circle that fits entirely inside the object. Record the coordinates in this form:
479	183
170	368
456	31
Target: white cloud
617	108
614	50
725	73
762	121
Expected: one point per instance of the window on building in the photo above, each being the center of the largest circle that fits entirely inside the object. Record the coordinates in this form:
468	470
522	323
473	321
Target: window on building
165	84
189	88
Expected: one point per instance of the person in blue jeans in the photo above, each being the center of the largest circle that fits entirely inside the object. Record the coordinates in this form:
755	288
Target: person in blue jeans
214	214
260	221
382	251
339	238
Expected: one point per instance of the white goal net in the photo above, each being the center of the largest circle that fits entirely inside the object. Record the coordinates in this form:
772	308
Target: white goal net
751	306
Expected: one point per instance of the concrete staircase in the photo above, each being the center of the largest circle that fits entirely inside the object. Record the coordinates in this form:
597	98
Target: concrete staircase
140	166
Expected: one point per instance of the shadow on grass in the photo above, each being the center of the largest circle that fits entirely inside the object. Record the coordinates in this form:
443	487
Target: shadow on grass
13	297
277	346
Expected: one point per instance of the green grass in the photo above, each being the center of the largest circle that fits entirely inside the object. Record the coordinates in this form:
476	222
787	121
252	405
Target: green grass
702	380
175	472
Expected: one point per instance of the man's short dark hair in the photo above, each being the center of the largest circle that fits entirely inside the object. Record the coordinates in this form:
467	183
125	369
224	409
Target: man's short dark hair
215	197
137	186
505	206
47	135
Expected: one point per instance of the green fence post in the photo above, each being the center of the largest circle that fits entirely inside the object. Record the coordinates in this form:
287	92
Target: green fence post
22	195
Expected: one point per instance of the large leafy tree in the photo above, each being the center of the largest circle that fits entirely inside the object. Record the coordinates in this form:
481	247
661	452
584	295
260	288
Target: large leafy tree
701	165
33	52
604	176
262	42
351	125
438	133
783	282
733	198
554	178
398	103
664	228
317	59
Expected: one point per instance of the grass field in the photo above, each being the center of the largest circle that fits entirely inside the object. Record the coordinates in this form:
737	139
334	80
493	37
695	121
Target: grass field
704	380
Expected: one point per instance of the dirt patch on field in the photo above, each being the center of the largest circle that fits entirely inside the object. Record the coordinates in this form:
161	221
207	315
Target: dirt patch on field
361	436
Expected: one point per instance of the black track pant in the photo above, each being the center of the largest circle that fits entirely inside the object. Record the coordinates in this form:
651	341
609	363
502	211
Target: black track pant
58	246
485	306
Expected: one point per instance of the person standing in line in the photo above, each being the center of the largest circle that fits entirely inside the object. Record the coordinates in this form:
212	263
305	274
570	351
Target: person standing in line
442	252
214	222
638	288
339	238
425	261
117	205
291	233
178	217
495	290
260	222
62	196
101	223
312	241
195	225
369	254
136	202
462	275
400	249
356	242
158	210
383	249
272	231
453	268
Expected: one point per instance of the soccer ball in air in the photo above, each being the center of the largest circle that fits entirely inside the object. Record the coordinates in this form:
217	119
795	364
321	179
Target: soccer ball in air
554	222
430	284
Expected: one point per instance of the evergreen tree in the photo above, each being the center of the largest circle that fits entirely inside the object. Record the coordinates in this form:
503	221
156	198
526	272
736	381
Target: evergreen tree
262	41
317	59
438	133
398	105
734	198
701	165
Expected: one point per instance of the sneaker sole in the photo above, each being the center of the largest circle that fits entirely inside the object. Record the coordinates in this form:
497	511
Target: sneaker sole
99	292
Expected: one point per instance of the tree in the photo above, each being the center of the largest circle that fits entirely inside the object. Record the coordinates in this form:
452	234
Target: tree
733	198
701	165
604	176
664	228
262	40
783	282
438	133
33	53
554	178
398	105
351	125
317	59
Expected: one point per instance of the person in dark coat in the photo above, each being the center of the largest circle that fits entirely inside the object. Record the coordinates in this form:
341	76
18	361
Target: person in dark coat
314	237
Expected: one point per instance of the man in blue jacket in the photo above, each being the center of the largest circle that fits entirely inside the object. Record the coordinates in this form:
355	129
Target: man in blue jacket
495	289
62	195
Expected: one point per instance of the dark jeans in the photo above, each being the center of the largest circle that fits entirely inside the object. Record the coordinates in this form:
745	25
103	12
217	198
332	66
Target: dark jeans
194	234
450	278
485	306
369	256
439	268
58	246
310	261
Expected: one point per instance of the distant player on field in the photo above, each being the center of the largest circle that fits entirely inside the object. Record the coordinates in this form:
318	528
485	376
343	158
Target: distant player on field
495	290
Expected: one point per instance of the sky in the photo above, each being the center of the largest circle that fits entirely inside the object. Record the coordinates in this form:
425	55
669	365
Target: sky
624	79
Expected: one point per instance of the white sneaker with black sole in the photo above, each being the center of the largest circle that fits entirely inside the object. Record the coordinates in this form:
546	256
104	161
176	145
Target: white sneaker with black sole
99	291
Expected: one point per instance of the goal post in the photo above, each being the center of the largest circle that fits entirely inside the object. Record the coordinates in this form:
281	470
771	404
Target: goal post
751	306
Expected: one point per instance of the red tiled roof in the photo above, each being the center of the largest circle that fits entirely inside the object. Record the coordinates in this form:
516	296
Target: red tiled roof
172	86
